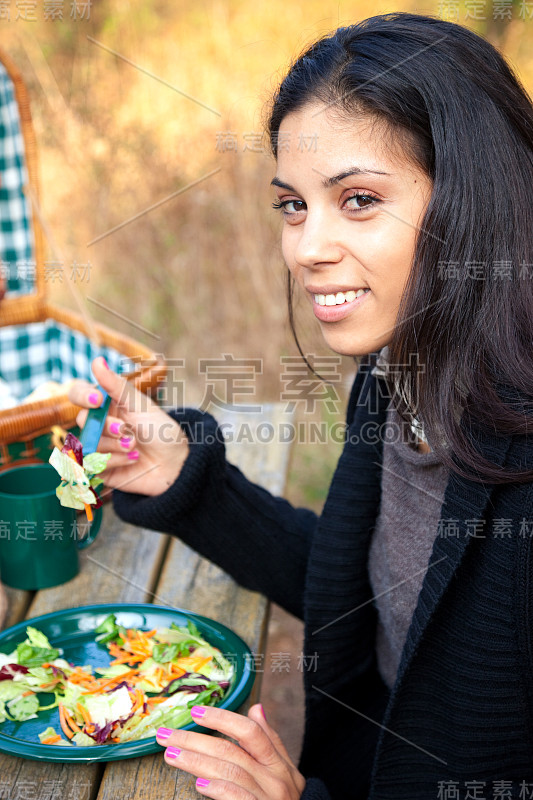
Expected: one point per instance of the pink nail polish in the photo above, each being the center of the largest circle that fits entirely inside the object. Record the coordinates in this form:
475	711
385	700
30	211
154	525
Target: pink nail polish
197	711
262	710
173	752
125	441
115	427
106	365
163	733
94	399
200	782
134	455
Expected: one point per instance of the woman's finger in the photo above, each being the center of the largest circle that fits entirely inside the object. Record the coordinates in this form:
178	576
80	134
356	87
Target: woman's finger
257	713
222	790
250	735
204	765
84	394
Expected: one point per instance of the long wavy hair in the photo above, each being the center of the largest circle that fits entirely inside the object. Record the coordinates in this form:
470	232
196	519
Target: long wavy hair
467	310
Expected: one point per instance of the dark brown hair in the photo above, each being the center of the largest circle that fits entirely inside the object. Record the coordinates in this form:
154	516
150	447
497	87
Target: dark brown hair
467	312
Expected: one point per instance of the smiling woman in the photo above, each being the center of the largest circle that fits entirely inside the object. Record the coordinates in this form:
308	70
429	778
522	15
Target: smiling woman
350	231
415	582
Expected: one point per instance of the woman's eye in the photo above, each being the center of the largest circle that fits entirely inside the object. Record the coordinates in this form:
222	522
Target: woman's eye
358	202
290	206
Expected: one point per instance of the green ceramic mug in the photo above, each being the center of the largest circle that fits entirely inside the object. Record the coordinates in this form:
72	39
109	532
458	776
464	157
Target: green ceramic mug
39	538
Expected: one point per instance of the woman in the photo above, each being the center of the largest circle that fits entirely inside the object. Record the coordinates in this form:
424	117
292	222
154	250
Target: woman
408	231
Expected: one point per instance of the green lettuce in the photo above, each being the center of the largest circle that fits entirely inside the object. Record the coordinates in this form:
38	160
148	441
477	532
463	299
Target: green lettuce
23	708
52	732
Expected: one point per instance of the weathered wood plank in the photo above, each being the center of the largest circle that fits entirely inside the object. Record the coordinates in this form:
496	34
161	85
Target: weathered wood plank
191	582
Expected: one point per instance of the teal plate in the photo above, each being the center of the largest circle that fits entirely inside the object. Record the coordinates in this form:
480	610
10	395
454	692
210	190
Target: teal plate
73	631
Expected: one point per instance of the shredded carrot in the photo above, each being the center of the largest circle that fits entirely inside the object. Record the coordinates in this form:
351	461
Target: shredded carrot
193	663
27	694
49	685
88	509
139	700
63	722
84	713
51	739
99	687
71	723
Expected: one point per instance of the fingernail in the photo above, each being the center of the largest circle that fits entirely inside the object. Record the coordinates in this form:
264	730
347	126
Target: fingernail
125	441
202	782
114	427
94	399
197	711
106	365
173	752
163	733
262	710
134	455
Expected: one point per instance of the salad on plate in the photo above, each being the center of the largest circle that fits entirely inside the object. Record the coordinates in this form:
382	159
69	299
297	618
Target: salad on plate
153	679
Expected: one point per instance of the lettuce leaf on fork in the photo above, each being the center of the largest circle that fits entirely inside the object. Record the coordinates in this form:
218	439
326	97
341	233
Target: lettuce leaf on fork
79	475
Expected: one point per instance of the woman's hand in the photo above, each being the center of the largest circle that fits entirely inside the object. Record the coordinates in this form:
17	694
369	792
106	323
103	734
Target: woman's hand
148	447
257	768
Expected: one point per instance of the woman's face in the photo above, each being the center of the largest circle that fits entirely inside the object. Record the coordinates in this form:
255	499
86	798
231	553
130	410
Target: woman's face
351	210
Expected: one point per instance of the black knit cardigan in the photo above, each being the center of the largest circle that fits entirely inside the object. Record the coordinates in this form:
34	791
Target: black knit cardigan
461	710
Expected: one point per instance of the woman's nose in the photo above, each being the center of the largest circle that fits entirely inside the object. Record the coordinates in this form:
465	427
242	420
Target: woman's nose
317	245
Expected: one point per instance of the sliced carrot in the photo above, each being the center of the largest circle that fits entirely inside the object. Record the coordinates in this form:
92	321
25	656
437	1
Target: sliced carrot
51	739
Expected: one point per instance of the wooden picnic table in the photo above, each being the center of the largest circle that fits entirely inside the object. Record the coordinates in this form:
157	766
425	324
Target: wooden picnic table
127	564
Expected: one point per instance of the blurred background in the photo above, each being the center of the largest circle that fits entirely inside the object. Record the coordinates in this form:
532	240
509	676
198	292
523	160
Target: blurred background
155	173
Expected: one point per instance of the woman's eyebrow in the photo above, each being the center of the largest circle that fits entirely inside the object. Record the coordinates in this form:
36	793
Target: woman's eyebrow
335	179
328	182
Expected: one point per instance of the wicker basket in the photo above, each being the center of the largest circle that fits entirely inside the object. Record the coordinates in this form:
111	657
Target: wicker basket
26	429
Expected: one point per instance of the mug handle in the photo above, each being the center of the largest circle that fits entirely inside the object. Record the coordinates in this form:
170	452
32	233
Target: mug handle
93	530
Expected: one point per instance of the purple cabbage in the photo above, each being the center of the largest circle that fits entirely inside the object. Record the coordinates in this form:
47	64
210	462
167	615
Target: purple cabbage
101	733
58	672
119	686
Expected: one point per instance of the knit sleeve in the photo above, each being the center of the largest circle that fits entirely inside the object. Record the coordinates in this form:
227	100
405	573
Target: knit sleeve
262	541
315	790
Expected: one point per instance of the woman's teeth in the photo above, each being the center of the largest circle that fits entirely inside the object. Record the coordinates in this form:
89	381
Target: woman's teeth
339	298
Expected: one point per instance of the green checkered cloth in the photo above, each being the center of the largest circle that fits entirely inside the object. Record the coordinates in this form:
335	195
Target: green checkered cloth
36	352
16	239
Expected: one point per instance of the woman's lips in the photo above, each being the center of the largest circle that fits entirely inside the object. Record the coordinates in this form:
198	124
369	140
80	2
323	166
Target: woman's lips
335	313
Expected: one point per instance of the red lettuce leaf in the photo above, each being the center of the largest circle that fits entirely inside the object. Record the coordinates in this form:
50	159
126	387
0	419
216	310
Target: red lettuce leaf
74	444
8	671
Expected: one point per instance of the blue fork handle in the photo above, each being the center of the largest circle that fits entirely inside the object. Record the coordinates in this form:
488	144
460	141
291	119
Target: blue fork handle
94	424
